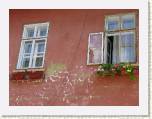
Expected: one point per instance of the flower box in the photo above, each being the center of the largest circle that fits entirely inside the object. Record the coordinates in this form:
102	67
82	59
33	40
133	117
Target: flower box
27	74
118	69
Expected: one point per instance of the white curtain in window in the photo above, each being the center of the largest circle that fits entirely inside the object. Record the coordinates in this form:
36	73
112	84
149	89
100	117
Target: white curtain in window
127	47
115	58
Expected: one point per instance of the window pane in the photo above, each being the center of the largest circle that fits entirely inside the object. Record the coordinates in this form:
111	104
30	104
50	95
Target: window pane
95	48
42	31
96	41
130	54
127	47
127	54
39	61
40	46
113	23
28	47
25	63
95	55
128	22
30	32
123	57
127	39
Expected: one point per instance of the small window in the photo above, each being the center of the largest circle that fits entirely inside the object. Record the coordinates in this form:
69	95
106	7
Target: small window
95	48
33	45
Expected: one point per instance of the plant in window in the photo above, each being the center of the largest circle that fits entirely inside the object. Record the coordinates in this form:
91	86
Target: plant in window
118	68
130	70
110	69
105	69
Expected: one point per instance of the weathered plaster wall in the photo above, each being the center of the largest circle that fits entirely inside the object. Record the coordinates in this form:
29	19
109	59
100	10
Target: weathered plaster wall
70	80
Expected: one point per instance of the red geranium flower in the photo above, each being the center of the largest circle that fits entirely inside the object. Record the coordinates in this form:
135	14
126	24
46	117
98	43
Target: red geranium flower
116	65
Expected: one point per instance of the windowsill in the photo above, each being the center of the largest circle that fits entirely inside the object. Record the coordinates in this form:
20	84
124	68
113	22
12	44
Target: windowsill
133	64
29	70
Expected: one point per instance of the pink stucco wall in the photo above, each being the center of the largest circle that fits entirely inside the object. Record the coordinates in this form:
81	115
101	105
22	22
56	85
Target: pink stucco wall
67	46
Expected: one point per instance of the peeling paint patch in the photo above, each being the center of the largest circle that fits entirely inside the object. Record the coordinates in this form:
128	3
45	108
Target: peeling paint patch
53	69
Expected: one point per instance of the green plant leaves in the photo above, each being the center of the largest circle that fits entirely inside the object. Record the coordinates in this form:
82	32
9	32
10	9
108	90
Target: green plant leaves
112	69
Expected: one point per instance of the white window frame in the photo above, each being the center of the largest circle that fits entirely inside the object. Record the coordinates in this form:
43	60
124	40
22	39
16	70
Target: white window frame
33	39
120	20
119	34
120	31
89	47
134	45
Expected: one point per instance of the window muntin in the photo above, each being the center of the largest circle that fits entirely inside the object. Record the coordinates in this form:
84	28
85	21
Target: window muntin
95	48
33	46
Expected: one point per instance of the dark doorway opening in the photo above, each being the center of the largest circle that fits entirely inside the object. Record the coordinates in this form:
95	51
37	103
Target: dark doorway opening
110	49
